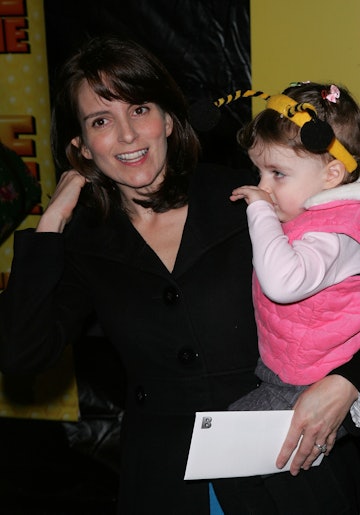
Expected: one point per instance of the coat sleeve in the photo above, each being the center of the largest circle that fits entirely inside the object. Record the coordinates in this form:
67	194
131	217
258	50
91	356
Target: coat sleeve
350	371
41	307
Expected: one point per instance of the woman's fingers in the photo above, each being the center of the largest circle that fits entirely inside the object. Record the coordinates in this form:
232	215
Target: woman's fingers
318	414
61	206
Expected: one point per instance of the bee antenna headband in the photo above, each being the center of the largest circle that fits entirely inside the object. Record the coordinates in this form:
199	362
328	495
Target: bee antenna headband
316	135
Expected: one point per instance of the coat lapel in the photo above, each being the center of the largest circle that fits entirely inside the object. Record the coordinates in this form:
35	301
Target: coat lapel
212	218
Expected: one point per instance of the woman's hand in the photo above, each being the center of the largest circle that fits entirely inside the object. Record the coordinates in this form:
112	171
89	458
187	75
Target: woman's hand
319	412
61	206
250	194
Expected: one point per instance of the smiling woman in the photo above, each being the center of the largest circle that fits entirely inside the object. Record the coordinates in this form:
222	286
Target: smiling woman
127	142
125	111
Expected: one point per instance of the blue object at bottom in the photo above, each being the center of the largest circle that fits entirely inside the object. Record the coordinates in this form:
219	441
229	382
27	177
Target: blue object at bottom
215	508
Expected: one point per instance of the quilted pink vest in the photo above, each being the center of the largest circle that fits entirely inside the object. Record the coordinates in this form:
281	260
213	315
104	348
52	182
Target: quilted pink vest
303	341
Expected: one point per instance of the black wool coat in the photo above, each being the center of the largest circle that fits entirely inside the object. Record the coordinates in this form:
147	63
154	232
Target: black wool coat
187	339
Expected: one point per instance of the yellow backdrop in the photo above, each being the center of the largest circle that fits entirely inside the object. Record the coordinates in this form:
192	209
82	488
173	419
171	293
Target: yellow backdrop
317	40
24	98
25	128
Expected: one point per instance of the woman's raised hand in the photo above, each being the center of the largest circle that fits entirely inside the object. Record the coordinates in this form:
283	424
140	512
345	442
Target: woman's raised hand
61	206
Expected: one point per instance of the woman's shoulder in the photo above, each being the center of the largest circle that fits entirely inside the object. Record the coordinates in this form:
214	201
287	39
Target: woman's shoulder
222	176
216	181
87	227
210	192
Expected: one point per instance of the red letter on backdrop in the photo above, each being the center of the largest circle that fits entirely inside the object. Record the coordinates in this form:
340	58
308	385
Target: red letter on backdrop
15	39
12	7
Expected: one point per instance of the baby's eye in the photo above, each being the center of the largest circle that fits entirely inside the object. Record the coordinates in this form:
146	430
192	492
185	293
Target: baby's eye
278	174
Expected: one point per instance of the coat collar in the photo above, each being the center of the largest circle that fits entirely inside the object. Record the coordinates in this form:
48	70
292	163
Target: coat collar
212	218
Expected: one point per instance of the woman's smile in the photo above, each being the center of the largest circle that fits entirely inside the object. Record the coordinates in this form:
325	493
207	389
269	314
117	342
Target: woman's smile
135	135
133	158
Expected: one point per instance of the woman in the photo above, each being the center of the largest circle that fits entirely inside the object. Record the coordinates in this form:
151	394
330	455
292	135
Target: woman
133	236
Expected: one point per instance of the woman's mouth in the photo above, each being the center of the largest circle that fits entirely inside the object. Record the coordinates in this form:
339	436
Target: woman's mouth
132	157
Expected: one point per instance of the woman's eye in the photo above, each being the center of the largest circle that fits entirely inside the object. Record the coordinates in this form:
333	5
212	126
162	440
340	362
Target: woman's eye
99	122
140	110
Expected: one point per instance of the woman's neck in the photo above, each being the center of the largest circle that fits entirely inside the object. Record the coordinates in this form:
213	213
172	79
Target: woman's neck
161	231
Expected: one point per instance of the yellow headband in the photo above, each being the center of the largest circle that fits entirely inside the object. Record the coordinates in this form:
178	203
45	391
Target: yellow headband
300	115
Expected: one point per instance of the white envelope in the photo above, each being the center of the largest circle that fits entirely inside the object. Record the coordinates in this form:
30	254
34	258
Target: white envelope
237	443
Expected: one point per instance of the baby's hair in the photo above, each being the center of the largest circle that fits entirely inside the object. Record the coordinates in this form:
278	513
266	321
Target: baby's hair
342	114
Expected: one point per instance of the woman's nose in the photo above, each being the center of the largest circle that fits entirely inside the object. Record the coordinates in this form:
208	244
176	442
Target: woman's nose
126	131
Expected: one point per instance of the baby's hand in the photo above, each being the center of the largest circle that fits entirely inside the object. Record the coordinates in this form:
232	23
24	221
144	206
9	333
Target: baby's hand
250	194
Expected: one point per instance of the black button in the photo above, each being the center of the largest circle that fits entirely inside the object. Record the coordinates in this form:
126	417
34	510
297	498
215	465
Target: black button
187	356
170	295
140	395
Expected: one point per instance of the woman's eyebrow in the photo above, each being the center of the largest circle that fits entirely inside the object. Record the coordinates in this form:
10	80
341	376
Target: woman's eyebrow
95	114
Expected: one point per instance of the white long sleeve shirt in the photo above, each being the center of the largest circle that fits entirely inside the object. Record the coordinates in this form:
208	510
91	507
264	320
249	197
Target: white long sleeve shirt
289	273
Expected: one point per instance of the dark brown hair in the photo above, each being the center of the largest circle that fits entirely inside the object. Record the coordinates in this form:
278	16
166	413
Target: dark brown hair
343	116
122	70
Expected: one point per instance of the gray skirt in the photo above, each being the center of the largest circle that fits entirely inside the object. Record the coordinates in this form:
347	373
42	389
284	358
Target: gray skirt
271	394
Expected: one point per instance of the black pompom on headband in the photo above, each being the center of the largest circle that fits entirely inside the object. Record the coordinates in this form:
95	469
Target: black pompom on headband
316	135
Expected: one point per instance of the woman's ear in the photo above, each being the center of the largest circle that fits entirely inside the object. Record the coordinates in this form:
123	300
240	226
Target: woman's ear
83	148
169	124
334	174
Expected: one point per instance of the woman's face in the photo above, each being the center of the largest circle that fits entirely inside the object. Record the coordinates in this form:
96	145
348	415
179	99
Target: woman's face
128	143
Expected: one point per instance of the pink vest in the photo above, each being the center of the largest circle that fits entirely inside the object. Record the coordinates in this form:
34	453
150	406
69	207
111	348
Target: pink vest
303	341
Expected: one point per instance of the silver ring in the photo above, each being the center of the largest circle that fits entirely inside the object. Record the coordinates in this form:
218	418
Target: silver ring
322	448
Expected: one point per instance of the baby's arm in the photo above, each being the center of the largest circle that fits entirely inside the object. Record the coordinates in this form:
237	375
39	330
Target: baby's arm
289	273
